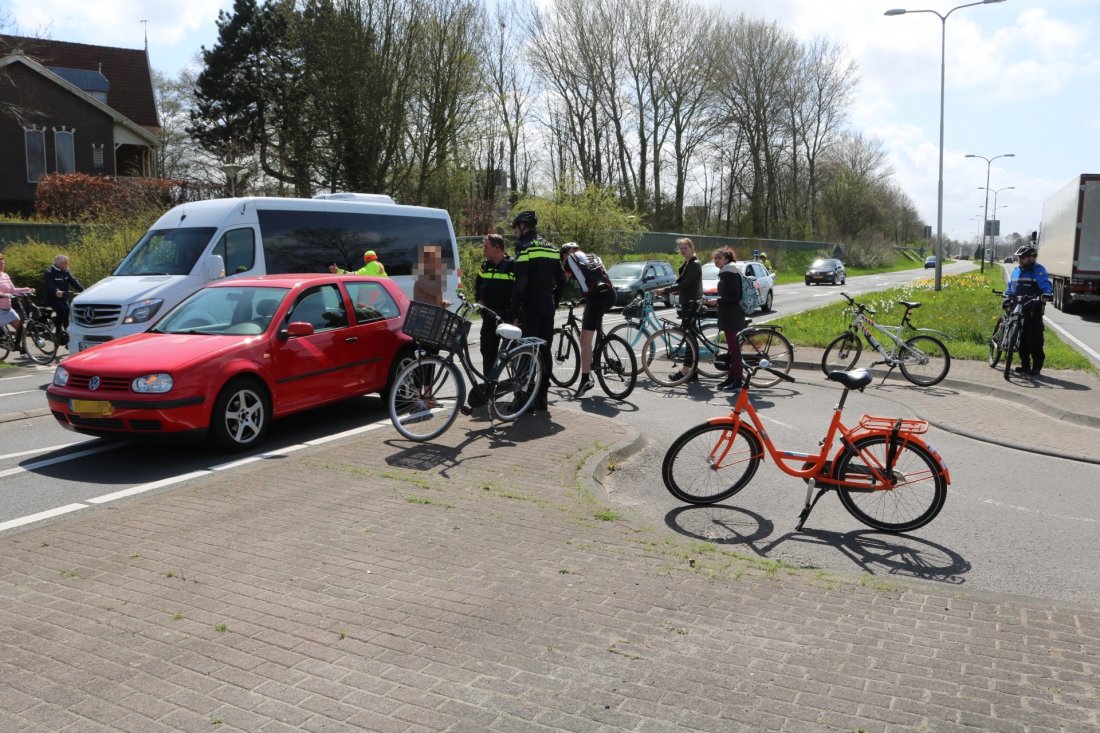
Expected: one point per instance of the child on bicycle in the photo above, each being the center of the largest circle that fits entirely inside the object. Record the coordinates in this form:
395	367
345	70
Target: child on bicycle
731	319
599	297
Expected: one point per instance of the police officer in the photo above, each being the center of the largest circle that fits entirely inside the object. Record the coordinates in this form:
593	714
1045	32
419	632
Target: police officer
539	280
371	266
493	289
1030	279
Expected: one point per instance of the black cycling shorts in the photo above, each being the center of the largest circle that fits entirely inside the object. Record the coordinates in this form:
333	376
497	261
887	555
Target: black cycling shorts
595	306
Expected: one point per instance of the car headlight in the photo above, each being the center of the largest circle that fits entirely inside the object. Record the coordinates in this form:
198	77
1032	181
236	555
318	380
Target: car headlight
152	384
142	311
60	376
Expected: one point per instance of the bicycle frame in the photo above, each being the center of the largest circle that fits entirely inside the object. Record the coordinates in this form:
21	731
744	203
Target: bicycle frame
816	466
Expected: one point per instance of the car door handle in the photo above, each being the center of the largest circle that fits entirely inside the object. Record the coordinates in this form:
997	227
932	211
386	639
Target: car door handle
352	339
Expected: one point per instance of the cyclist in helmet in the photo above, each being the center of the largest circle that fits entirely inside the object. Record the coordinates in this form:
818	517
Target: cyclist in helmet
1029	279
599	295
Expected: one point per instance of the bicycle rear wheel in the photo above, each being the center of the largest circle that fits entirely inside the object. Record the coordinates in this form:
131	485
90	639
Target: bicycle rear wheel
634	333
914	495
995	342
40	342
924	361
515	384
664	355
710	463
426	397
765	344
616	368
842	354
714	357
565	358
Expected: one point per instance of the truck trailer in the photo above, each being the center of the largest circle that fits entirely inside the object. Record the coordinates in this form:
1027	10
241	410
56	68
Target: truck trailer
1069	242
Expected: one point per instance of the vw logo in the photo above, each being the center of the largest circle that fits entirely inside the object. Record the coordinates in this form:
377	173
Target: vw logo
93	383
89	314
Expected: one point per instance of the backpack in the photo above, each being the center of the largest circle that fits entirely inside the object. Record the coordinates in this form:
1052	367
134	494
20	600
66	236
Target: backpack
750	299
596	279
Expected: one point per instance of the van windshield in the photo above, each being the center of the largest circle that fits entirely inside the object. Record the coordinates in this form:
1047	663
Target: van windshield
166	252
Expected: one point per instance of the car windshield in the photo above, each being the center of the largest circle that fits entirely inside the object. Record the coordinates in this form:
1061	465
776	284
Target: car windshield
166	252
625	270
238	311
822	264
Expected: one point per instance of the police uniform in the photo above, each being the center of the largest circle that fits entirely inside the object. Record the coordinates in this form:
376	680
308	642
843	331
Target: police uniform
538	277
493	288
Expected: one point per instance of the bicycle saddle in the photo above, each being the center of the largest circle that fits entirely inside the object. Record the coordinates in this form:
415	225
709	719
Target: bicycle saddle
907	304
855	379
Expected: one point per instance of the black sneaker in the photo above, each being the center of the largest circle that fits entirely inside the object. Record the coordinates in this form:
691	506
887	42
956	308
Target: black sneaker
586	384
1022	370
730	385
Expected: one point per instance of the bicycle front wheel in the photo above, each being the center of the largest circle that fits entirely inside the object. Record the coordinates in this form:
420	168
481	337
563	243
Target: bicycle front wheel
7	342
40	342
842	354
565	358
765	344
714	358
710	463
515	384
616	368
913	495
1012	338
634	333
664	355
924	361
995	342
426	397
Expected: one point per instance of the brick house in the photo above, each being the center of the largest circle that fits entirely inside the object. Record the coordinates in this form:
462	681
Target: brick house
72	108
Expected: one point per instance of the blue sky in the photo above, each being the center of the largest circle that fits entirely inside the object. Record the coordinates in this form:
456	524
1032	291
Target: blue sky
1022	77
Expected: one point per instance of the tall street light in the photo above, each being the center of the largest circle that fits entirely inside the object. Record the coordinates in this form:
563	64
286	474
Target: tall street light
993	237
943	53
988	163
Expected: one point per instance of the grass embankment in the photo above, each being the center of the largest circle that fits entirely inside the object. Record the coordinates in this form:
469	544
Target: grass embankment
794	265
964	309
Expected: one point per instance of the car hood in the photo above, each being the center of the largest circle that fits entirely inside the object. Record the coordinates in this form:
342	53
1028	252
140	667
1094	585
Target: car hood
822	269
128	289
624	280
143	353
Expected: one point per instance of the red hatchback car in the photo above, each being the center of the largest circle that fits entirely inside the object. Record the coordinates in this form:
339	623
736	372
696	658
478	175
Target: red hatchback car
234	356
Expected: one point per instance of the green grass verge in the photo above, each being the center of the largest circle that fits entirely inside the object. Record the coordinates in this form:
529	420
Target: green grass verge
965	309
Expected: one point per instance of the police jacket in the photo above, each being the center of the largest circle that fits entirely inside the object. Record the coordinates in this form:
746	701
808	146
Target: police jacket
58	279
495	284
1030	282
538	272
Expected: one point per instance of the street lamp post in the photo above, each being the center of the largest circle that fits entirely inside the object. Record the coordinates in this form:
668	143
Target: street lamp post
943	60
988	163
993	237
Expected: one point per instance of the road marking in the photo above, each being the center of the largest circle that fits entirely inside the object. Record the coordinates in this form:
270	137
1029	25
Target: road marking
1029	510
12	394
58	459
31	518
142	488
40	450
1080	344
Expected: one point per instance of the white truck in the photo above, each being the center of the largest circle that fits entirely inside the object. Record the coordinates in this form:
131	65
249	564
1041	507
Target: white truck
1069	242
196	243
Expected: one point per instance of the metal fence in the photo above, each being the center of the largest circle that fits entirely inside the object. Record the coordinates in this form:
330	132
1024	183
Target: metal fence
59	234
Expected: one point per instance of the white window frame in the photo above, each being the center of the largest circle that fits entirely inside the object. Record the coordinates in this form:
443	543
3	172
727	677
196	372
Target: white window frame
97	155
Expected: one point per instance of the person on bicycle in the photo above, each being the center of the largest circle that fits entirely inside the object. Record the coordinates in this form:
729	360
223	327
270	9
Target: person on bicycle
538	278
493	289
58	281
731	319
690	287
1029	279
8	314
599	297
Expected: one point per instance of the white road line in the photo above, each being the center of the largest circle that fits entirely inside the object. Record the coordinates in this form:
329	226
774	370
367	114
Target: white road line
142	488
59	459
39	450
12	394
31	518
1066	334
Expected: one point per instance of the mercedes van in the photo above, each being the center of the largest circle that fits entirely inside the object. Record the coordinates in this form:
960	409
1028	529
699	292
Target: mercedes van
196	243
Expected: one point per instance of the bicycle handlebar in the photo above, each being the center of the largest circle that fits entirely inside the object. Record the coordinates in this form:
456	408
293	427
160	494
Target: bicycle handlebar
859	306
465	306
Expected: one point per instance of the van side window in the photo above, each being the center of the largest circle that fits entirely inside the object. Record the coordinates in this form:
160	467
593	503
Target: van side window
322	307
238	250
372	302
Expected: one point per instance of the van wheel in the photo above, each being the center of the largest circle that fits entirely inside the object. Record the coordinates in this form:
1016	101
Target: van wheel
241	416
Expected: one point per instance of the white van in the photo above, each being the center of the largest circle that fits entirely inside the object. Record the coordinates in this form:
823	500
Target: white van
198	242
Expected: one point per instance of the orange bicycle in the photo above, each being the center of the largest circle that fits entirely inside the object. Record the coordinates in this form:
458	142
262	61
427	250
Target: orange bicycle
886	476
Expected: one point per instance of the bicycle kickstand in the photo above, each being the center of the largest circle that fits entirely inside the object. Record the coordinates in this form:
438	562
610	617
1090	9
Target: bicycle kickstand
805	513
888	371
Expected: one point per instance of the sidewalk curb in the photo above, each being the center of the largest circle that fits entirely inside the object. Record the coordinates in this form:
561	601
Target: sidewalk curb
594	472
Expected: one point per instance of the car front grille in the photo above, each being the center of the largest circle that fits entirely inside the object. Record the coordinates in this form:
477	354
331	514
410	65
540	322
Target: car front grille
106	384
96	316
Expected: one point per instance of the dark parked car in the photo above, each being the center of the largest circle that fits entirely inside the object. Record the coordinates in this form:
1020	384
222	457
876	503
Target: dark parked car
929	261
633	278
826	271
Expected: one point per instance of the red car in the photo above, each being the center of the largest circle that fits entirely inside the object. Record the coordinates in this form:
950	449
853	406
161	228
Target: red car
234	356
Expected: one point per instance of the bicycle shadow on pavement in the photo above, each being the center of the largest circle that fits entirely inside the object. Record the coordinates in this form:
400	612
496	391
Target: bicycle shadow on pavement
873	552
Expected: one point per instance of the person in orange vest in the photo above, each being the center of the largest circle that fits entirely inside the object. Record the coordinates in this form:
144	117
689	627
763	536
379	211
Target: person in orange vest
371	266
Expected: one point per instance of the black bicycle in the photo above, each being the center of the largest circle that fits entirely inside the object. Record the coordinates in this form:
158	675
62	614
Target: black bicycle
1005	340
613	361
39	338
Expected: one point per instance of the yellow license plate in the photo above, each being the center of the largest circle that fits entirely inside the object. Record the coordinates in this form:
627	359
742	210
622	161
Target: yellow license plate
91	408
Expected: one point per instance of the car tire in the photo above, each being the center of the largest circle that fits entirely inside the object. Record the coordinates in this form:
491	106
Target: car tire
833	281
400	360
843	279
768	302
807	281
241	416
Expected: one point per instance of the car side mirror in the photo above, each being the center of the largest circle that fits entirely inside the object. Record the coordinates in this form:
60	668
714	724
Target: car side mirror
295	329
215	268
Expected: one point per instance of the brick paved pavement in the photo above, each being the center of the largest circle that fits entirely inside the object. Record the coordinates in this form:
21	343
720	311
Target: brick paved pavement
485	585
